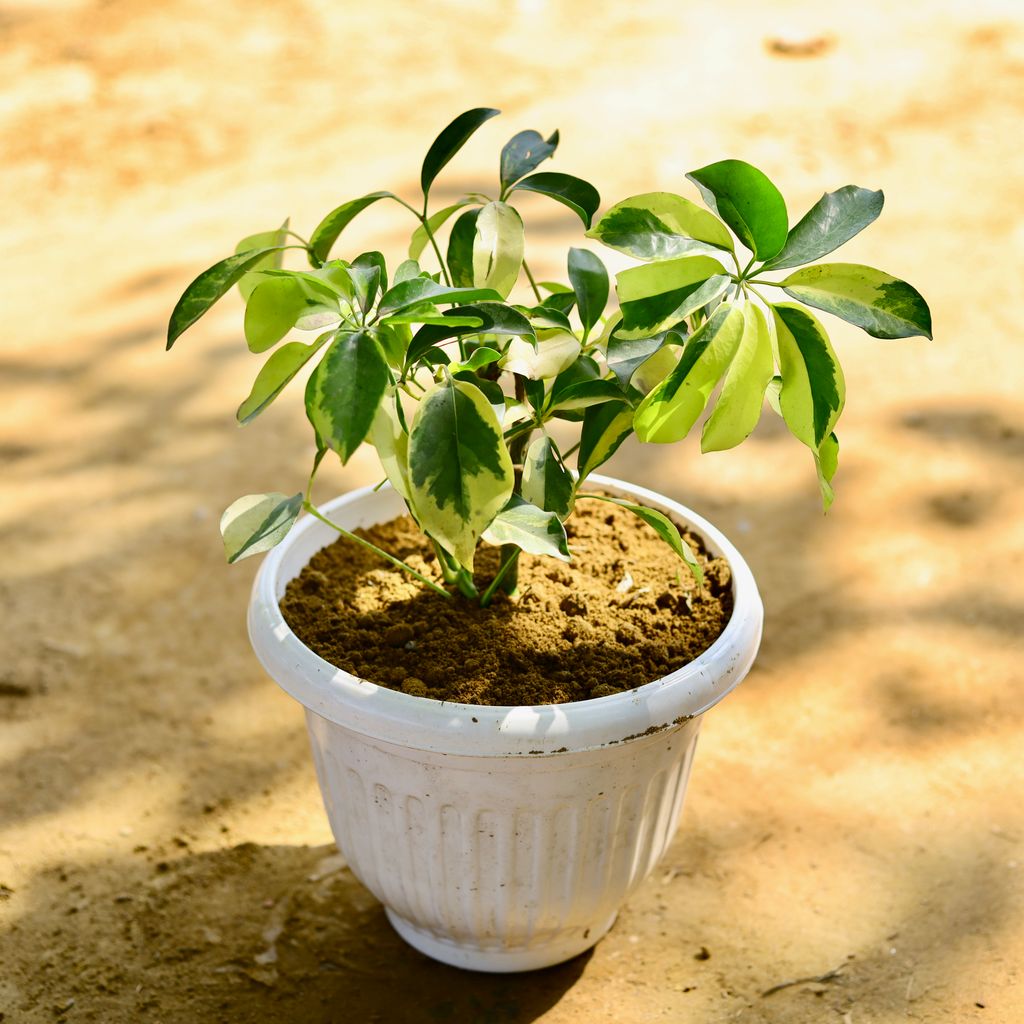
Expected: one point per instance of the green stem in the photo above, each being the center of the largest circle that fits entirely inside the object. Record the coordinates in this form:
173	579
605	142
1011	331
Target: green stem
743	272
757	293
311	509
761	280
533	283
433	243
508	564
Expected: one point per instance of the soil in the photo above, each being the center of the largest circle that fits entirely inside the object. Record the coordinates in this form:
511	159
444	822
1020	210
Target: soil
621	613
855	803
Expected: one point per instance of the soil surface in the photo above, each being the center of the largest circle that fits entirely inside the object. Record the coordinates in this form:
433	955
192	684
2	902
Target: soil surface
855	804
622	612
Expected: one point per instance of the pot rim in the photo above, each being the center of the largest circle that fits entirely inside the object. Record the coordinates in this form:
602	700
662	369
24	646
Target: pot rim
448	727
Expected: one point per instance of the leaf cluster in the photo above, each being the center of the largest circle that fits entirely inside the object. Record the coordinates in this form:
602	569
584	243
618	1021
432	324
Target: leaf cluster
456	384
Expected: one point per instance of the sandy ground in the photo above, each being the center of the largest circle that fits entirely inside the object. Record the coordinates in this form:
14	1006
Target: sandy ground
857	803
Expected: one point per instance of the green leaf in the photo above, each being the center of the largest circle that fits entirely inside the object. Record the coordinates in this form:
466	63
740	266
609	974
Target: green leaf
479	358
739	405
657	296
660	225
832	221
529	528
625	355
553	352
882	305
585	393
327	231
428	313
672	408
826	461
345	390
460	472
460	249
653	370
524	153
450	141
263	240
256	522
407	270
605	427
420	238
423	289
580	196
208	287
546	481
494	317
389	436
275	306
748	202
590	286
560	302
498	248
813	388
275	374
663	527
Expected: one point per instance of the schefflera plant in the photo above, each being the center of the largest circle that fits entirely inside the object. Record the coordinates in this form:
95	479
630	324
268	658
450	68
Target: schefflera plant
456	386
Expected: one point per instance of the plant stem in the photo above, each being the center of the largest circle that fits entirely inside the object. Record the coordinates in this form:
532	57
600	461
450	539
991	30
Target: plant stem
743	272
424	220
761	280
509	563
311	509
533	283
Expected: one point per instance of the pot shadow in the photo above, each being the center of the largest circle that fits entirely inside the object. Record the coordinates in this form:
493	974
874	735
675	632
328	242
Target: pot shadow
250	934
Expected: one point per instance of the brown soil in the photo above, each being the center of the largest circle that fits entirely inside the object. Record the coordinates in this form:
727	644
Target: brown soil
856	801
624	611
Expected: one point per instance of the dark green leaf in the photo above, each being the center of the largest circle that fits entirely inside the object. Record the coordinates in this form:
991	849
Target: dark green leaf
460	472
660	225
882	305
257	522
460	249
208	287
524	153
672	408
605	427
585	393
495	318
450	141
422	289
813	388
327	231
561	302
657	296
748	202
345	389
545	318
579	195
833	220
590	285
276	372
663	527
546	481
479	358
625	355
529	528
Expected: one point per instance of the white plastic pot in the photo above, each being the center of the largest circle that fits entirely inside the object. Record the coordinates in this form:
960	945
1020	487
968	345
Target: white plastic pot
499	838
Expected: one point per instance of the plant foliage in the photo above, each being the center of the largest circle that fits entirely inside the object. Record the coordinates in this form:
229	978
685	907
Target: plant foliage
456	368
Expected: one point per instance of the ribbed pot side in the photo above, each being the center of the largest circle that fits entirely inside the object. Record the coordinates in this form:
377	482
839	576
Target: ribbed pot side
499	839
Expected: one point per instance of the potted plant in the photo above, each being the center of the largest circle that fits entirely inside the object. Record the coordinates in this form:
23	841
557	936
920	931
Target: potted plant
503	830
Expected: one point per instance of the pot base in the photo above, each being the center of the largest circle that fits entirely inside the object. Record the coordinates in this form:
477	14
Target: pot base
497	961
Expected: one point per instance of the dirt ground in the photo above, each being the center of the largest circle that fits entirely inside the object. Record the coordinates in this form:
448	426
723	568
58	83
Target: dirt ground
856	804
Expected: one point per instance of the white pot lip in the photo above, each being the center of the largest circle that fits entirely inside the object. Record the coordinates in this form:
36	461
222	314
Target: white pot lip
499	731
